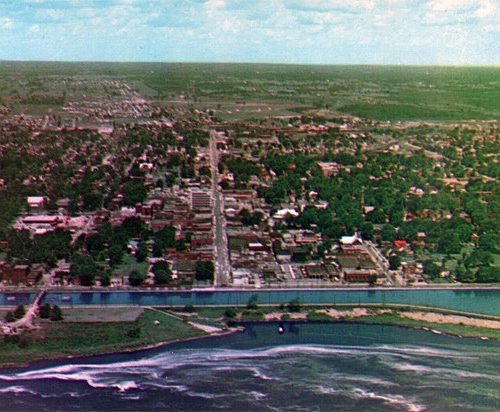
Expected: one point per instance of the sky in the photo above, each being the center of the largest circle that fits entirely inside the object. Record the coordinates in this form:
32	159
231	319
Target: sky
288	31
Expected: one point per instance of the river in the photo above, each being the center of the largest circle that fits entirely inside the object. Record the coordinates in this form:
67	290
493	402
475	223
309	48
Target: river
312	366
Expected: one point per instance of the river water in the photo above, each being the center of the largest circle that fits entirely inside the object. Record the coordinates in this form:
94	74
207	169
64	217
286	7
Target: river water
482	301
312	366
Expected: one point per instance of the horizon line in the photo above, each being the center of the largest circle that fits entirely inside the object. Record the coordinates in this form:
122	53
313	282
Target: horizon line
492	65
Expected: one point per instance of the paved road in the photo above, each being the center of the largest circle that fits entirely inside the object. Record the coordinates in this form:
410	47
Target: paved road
222	263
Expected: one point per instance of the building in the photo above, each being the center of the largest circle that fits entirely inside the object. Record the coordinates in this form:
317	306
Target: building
15	274
329	169
36	203
200	200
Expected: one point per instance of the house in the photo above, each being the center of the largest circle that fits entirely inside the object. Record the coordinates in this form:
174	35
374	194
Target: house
284	213
359	275
15	274
329	169
37	202
400	245
350	240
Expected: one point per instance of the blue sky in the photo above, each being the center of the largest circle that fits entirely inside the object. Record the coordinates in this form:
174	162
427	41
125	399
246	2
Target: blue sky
289	31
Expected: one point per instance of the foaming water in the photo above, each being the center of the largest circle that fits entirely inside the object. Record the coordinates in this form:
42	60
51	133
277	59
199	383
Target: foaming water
351	367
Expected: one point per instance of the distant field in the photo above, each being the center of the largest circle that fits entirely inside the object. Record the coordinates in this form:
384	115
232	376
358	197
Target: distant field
374	92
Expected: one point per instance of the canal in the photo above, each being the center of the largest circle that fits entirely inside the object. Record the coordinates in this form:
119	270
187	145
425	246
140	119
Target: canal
481	301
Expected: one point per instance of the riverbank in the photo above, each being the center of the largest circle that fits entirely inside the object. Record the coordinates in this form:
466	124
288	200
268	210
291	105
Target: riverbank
89	337
454	323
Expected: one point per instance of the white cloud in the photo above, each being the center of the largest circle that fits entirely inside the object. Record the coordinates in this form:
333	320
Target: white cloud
7	23
476	8
330	4
215	4
487	9
51	14
492	28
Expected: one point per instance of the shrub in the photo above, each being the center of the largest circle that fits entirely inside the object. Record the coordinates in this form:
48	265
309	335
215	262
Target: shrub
294	305
230	313
134	333
189	309
56	313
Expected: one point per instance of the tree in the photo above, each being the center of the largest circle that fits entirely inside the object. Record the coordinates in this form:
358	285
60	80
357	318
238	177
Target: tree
158	248
449	242
135	278
56	314
432	268
134	192
204	271
162	272
105	279
115	254
464	275
253	302
230	313
166	236
9	317
84	268
134	333
367	231
377	216
19	312
490	241
189	309
488	274
19	242
45	311
395	262
142	252
478	257
388	233
134	227
163	276
294	305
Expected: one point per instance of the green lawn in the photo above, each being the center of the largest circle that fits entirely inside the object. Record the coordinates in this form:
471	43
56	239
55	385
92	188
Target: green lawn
128	265
59	339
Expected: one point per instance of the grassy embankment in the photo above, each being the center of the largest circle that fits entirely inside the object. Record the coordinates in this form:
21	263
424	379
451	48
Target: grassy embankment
61	339
216	316
460	330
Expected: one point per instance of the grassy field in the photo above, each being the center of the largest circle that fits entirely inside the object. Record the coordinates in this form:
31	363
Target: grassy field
61	339
374	92
128	265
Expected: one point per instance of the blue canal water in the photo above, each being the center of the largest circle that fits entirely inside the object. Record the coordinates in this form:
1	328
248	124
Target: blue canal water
311	367
481	301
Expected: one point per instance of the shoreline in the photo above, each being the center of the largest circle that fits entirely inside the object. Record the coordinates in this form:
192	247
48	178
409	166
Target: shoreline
239	328
124	351
360	315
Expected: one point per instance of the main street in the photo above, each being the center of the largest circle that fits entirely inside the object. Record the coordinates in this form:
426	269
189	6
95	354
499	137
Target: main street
222	263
